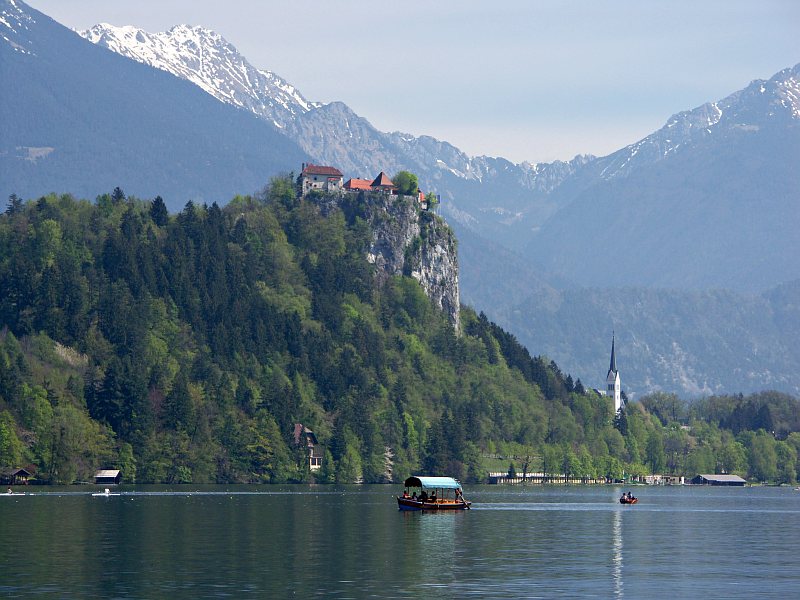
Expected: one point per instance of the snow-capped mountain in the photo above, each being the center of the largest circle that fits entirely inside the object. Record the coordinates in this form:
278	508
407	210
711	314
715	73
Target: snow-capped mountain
206	59
15	26
333	134
554	212
775	101
77	118
708	200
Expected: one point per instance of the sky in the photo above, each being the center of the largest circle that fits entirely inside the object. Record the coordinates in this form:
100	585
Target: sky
528	80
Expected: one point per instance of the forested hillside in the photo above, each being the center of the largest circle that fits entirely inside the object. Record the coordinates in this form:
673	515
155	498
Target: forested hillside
184	348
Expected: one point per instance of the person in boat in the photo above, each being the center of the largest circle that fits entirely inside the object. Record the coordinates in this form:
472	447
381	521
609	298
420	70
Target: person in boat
405	493
624	496
433	497
414	496
10	491
423	497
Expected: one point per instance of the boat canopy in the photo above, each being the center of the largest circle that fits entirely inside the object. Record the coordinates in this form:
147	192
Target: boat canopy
433	483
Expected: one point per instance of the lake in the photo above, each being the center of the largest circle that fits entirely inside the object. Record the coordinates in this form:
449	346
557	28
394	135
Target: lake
352	542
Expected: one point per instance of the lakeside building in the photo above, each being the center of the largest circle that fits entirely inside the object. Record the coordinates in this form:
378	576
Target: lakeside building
504	478
15	477
112	476
659	479
732	480
303	436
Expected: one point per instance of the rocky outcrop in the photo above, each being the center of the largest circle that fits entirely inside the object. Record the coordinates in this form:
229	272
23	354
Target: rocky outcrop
434	263
408	241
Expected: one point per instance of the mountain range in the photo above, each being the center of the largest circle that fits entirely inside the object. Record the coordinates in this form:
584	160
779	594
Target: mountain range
77	118
688	230
708	201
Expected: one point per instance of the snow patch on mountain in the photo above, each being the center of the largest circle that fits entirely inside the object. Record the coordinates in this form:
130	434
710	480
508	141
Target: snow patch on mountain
205	58
777	98
331	133
14	22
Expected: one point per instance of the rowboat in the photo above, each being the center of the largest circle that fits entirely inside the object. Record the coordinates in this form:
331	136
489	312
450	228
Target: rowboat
625	500
432	493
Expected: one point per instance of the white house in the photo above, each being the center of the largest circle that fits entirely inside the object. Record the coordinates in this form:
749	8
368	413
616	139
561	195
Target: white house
317	177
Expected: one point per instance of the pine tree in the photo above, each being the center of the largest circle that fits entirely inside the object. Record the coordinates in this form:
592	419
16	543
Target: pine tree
158	212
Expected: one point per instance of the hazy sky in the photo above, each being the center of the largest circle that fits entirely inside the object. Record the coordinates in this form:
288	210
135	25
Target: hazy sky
523	79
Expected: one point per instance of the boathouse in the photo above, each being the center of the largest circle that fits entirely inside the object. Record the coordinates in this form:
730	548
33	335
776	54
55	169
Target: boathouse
15	477
108	476
303	436
733	480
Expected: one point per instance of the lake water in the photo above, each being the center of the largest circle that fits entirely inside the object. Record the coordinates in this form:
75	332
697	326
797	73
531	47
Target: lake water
352	542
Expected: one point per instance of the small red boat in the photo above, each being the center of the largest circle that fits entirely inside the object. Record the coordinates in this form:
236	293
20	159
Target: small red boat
432	493
626	500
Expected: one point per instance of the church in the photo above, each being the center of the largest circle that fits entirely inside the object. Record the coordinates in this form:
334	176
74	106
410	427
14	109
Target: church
613	385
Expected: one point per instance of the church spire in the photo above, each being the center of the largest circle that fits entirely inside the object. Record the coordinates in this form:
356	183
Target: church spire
613	386
612	368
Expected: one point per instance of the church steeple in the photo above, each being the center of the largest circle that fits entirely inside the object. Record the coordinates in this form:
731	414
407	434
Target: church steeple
613	385
612	368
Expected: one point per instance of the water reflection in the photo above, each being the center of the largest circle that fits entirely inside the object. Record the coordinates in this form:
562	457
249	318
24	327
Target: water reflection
431	539
616	536
352	542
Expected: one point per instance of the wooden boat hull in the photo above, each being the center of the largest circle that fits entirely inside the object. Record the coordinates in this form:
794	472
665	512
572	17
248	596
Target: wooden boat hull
411	504
626	501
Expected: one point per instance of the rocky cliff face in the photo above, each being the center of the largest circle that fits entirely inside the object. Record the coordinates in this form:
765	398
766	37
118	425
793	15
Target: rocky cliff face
411	242
435	265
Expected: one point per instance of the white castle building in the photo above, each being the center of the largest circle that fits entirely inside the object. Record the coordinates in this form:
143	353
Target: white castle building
613	385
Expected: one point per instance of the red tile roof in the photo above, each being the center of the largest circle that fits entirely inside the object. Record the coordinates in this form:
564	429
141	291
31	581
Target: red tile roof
320	170
358	184
382	181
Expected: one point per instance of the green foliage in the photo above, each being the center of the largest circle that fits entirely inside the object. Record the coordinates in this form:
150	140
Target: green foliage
11	448
667	407
654	452
406	182
184	348
762	456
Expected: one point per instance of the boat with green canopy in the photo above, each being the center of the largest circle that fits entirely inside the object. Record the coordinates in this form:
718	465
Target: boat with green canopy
432	493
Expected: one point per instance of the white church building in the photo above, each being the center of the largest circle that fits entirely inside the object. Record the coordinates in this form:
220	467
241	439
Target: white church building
613	385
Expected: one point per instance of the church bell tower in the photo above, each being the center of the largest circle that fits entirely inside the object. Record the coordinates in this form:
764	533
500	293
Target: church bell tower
613	386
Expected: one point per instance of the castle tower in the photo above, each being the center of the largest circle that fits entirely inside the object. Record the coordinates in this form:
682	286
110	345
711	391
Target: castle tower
613	386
